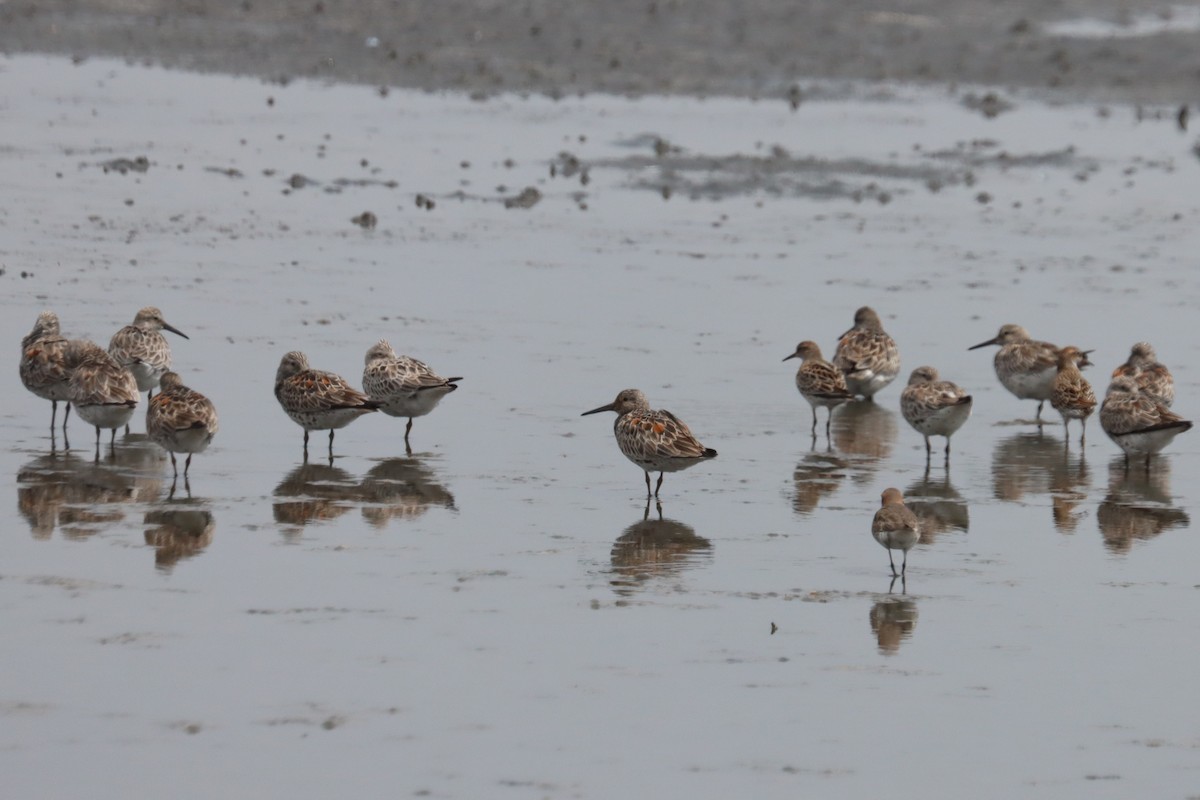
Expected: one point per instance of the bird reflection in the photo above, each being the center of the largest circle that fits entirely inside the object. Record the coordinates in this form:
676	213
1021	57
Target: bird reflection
402	488
81	497
178	529
322	492
866	431
1138	505
1032	463
655	548
818	474
938	505
893	619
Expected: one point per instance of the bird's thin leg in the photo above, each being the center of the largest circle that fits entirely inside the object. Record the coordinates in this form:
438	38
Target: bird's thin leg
892	563
659	485
814	425
306	445
112	439
1083	432
1039	414
828	423
647	487
174	468
186	466
904	565
331	445
53	413
66	414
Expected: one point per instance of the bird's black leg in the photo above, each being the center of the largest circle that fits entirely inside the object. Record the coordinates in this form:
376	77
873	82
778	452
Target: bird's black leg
659	485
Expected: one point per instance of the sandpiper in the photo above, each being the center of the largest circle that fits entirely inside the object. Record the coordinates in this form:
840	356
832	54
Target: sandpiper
105	394
934	407
1152	378
1025	367
403	386
895	527
1071	395
316	400
820	383
866	355
657	441
1138	423
180	420
43	368
142	349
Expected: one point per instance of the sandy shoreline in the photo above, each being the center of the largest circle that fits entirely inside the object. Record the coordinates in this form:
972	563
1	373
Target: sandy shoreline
697	47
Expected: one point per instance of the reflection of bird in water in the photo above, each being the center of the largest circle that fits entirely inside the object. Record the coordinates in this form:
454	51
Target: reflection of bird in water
865	430
653	548
938	506
178	530
1137	506
1030	463
322	493
892	621
80	496
816	476
1068	490
403	488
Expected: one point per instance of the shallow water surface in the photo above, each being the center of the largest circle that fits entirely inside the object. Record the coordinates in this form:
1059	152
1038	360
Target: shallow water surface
500	613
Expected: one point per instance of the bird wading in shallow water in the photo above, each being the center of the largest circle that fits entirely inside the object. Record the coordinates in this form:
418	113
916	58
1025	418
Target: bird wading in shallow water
180	420
867	355
657	441
1071	394
895	527
316	400
1138	423
934	407
403	386
820	383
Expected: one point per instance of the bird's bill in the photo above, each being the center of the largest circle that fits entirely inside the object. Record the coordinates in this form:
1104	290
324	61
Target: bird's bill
174	330
608	407
993	340
793	355
1085	361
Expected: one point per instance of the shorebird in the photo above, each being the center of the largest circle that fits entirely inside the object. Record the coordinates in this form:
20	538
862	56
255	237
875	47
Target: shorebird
403	386
180	420
866	355
933	407
142	349
1071	395
657	441
1152	378
895	527
105	394
1136	421
43	368
1025	367
820	383
316	400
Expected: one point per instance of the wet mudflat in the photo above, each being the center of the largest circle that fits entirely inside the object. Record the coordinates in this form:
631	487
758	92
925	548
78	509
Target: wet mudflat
499	612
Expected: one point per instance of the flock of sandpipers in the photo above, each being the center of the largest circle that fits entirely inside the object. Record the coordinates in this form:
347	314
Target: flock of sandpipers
105	387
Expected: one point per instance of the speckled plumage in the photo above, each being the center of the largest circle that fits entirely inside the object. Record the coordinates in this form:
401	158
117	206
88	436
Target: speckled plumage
819	382
1025	367
403	386
1136	421
895	527
317	400
43	368
934	407
1071	395
657	441
1152	378
104	393
867	355
142	349
180	420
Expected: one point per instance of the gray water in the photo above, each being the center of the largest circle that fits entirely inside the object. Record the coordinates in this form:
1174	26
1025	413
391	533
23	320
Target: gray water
499	614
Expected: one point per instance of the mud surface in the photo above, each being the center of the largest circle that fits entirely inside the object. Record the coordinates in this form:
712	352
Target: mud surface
499	614
1138	51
